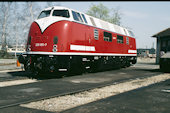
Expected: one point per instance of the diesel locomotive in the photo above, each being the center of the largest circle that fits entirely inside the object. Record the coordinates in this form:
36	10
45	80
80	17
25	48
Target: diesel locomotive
63	39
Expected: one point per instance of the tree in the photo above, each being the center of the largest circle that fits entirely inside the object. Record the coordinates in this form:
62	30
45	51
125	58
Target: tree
116	17
50	4
5	13
29	14
102	12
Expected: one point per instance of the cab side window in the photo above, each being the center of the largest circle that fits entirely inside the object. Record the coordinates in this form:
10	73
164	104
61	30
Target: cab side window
84	18
119	39
107	36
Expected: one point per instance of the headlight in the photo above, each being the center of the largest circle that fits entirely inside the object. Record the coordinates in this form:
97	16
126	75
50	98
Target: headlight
29	48
55	48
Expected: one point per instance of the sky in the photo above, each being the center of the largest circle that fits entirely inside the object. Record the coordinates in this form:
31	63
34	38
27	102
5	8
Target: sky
144	18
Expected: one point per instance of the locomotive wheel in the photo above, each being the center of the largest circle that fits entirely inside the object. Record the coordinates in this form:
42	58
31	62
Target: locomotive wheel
74	69
128	63
27	66
94	66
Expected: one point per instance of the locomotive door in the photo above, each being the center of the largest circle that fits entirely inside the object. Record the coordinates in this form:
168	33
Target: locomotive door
89	39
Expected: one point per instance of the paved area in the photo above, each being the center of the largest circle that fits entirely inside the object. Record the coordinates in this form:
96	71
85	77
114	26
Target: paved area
56	86
9	67
18	109
152	99
7	61
9	64
49	86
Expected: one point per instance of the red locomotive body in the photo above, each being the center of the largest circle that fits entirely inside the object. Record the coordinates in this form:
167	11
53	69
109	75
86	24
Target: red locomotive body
65	39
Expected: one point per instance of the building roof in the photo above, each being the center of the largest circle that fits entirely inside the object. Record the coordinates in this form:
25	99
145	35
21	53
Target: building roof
163	33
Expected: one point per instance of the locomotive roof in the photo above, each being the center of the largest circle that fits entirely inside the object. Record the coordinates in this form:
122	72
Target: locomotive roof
97	22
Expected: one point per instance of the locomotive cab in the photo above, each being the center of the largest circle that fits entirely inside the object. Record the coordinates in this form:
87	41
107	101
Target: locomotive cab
49	29
47	36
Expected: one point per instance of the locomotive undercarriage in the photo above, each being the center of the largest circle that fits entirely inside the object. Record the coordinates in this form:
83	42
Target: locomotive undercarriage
74	64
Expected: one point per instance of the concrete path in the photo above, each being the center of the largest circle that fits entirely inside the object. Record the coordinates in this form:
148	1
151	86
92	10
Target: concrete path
9	64
152	99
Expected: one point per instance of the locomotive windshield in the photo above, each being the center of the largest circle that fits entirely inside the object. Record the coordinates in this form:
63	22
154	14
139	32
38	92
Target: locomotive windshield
61	13
44	14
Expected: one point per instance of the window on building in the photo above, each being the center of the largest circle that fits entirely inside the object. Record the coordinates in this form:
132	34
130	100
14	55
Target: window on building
77	16
107	36
84	18
127	40
44	14
119	39
92	21
62	13
96	34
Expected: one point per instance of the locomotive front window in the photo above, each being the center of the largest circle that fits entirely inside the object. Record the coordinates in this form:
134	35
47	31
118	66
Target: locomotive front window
44	14
77	16
62	13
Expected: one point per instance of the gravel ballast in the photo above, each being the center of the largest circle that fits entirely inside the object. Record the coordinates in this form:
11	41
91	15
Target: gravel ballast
61	103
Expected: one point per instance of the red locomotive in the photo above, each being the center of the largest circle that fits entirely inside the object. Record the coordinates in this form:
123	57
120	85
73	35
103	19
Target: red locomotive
62	39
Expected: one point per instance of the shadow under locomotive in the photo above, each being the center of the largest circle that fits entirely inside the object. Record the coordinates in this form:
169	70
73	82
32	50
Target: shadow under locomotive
60	74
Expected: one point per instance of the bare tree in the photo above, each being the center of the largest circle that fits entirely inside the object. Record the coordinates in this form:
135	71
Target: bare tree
30	5
50	4
31	11
15	26
5	12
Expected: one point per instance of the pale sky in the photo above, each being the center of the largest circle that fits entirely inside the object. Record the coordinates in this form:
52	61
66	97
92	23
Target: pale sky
144	18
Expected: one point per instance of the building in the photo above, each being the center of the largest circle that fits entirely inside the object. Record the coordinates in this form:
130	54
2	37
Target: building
163	42
141	52
16	50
